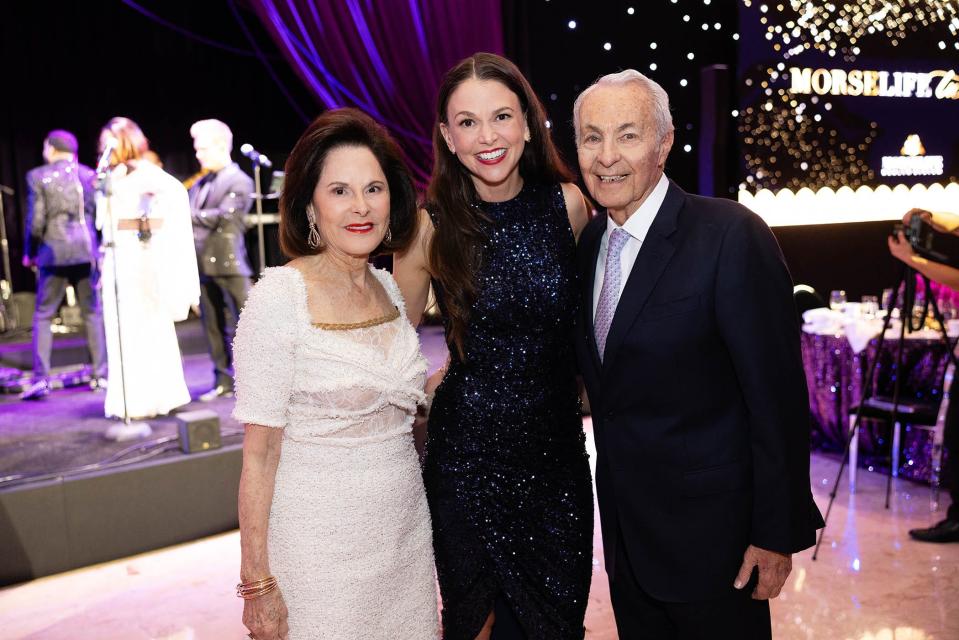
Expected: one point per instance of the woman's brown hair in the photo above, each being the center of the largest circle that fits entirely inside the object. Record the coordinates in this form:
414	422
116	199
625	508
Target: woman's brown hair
455	252
131	143
345	127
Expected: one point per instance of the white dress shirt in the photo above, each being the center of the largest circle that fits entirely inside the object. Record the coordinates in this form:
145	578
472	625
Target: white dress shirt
637	226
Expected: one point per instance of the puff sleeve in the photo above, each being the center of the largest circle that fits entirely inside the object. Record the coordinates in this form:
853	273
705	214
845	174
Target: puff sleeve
264	350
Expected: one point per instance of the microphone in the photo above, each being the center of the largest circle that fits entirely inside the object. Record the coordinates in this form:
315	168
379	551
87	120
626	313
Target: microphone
254	155
104	161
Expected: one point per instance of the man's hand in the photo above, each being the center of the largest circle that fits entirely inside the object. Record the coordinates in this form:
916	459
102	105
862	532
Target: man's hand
773	567
28	262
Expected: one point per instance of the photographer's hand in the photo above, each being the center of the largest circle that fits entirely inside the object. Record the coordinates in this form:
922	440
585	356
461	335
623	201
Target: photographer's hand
900	248
939	220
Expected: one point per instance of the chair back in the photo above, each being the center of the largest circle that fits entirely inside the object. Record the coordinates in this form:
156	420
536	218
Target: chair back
806	298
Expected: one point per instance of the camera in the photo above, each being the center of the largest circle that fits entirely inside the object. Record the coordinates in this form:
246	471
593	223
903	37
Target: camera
929	243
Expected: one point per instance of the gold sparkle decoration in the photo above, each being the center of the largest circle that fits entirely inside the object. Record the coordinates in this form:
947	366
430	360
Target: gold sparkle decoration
837	28
788	142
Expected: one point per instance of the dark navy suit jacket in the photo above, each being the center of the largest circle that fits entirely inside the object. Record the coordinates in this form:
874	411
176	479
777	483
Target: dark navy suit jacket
219	222
700	407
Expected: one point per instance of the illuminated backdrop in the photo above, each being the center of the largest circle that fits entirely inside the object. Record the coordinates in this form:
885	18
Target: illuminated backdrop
848	94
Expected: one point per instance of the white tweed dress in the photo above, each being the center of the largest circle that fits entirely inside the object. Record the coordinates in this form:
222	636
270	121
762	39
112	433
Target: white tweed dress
349	536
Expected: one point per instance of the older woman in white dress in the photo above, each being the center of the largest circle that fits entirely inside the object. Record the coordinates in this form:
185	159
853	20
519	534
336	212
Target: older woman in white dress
334	526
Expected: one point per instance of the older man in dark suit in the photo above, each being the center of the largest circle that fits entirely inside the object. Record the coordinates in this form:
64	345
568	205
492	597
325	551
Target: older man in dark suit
689	348
220	201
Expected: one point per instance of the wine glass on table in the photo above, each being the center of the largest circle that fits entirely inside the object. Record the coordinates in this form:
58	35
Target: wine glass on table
888	300
837	299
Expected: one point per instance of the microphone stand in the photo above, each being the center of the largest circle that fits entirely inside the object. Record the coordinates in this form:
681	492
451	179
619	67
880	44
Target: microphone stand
259	160
260	240
6	287
128	429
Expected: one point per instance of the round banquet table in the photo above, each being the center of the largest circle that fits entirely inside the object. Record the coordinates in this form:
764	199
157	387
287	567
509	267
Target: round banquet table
836	376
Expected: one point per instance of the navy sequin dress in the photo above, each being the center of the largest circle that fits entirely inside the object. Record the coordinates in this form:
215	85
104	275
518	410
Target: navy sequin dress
506	471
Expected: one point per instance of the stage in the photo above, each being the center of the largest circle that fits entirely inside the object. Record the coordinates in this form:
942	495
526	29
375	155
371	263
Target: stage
70	498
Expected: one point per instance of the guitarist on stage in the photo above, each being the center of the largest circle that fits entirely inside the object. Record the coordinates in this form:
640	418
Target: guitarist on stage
219	201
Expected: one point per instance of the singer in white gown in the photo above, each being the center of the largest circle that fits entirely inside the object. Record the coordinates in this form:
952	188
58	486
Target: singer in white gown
156	280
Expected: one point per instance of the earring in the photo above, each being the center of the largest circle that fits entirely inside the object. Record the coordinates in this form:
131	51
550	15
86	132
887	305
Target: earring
313	237
388	238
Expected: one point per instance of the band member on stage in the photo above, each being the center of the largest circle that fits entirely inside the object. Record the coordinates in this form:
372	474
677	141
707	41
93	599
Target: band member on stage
219	202
61	244
149	265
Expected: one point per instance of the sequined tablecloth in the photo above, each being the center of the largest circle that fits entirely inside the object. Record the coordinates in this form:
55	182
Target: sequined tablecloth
836	376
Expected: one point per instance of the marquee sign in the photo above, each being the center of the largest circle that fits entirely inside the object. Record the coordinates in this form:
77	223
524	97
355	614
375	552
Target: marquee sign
941	84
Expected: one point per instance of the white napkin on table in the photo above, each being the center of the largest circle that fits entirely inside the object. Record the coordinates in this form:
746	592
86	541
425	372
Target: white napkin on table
858	331
822	321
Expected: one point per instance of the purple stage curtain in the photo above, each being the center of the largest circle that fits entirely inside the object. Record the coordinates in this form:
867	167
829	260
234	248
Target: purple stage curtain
385	57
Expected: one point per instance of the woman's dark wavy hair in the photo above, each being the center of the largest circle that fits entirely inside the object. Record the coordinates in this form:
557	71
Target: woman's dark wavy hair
345	127
455	250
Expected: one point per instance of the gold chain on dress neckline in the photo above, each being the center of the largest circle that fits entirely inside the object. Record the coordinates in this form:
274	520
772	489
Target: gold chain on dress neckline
345	326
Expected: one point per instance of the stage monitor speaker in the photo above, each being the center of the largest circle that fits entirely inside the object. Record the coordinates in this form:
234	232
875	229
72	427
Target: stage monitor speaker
199	430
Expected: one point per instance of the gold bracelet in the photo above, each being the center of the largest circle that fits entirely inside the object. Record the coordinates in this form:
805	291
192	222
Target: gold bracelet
255	589
252	588
257	594
255	583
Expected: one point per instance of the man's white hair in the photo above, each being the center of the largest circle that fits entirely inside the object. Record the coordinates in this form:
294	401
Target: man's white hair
213	130
656	94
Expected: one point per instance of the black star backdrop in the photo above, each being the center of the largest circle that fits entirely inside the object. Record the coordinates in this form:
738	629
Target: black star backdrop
564	45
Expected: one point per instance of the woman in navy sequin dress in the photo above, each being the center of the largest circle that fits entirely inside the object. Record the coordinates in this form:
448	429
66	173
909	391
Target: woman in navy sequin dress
506	471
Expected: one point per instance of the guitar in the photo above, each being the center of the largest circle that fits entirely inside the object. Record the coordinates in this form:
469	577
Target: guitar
196	177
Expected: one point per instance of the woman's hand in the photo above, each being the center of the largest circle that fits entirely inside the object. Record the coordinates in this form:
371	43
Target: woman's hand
423	411
941	221
266	616
900	248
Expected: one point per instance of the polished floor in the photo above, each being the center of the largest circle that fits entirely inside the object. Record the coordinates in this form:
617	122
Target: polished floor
870	582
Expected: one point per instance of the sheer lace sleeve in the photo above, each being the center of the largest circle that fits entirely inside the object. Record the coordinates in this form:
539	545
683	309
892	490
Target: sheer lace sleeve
263	351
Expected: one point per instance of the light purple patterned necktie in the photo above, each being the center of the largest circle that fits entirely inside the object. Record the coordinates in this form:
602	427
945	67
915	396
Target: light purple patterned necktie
609	294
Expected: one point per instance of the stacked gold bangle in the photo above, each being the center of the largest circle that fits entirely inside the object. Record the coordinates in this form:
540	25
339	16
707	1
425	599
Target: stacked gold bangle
250	590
